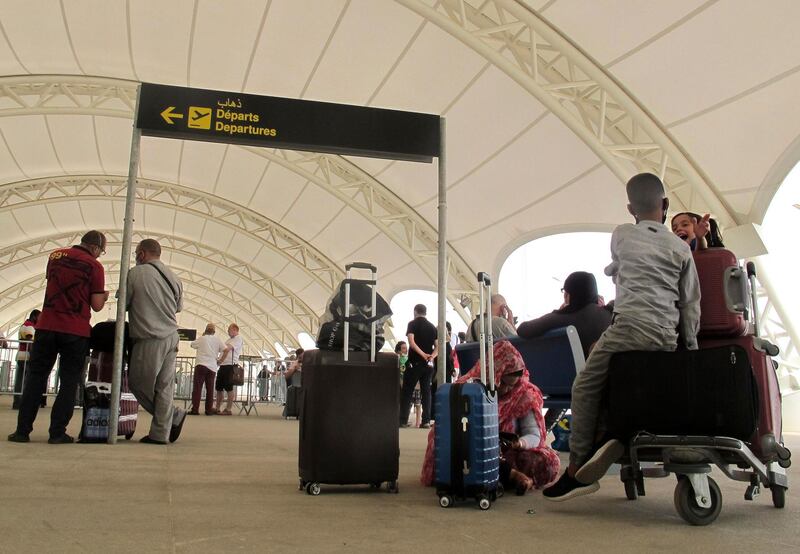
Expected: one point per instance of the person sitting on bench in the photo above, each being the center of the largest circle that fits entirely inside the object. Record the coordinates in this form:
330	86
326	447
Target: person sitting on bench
582	307
502	321
526	462
658	299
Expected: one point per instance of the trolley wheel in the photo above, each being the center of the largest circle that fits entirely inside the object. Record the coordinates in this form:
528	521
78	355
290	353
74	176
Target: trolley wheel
484	503
376	485
687	507
631	491
501	490
313	489
129	436
778	495
392	486
445	501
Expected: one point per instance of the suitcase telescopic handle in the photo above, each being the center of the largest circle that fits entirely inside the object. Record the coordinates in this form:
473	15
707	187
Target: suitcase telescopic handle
361	265
485	339
374	282
751	277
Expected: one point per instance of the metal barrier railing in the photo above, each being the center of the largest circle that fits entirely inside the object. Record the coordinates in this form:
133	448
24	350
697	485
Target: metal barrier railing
263	384
264	381
13	362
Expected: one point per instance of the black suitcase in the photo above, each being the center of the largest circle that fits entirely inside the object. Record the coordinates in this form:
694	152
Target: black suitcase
708	392
292	406
349	413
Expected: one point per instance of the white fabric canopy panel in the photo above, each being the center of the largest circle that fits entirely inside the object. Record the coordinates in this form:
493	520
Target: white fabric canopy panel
711	83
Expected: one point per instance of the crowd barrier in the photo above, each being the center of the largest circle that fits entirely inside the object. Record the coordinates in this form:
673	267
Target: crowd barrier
264	390
12	372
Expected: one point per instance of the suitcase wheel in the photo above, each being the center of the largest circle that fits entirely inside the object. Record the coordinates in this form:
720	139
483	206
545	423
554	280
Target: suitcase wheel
687	507
778	495
375	485
445	501
392	486
313	489
129	436
484	503
500	491
302	485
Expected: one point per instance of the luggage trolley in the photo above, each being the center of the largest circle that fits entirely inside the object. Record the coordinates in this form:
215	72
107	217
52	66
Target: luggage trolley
760	461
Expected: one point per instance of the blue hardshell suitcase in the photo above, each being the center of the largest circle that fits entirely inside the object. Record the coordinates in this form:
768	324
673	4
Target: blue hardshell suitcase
466	433
467	446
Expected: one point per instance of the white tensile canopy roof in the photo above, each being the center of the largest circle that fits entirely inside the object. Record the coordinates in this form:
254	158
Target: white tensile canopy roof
550	106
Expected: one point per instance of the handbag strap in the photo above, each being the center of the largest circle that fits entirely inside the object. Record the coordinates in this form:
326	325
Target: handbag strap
169	283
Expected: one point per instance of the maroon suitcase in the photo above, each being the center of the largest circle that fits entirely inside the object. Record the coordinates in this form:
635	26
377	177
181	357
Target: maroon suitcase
101	365
723	294
768	437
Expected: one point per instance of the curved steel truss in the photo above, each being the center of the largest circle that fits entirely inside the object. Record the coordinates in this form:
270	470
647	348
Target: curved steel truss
184	199
578	91
232	306
247	306
302	314
772	327
57	94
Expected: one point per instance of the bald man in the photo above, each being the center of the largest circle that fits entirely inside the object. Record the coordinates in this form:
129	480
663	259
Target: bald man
502	321
154	297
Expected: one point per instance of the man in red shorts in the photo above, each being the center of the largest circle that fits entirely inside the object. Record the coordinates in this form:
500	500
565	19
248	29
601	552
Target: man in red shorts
75	283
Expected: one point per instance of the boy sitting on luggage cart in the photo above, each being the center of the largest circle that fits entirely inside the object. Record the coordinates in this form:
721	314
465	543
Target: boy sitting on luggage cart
658	298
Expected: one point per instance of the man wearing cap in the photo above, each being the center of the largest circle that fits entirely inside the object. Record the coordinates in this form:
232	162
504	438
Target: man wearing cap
75	283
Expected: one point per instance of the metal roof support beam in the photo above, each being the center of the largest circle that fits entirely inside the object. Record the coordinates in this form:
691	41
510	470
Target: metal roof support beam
306	319
188	200
263	329
586	98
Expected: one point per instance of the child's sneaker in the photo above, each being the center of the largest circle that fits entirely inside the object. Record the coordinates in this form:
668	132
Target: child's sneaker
567	488
597	466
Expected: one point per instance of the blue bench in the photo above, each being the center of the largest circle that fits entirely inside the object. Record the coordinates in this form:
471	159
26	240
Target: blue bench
553	360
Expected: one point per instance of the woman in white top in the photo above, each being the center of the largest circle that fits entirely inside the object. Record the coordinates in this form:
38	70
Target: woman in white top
209	347
227	361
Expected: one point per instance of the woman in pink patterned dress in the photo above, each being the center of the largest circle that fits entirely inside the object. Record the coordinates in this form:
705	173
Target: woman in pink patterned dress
527	462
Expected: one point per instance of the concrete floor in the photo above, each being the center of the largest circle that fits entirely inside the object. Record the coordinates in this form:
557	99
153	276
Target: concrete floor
230	484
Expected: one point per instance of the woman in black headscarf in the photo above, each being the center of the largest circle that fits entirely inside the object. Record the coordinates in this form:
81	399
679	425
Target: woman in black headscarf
581	308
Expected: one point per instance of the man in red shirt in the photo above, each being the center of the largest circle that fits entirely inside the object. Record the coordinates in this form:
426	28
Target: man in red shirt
75	283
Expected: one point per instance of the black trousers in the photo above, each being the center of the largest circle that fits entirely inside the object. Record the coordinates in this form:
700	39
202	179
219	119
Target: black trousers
47	345
422	373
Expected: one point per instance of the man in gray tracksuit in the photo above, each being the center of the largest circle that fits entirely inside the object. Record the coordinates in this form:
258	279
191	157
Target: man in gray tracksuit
154	296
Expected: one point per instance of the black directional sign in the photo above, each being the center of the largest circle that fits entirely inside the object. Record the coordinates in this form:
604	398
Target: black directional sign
235	118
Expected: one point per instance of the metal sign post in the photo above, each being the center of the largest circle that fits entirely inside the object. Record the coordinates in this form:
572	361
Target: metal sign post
125	260
442	274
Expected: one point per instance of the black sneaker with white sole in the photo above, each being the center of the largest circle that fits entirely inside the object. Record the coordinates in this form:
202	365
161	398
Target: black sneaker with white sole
596	467
567	488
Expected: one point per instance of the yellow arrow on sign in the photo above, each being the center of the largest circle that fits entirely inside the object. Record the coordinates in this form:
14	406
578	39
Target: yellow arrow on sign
168	115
